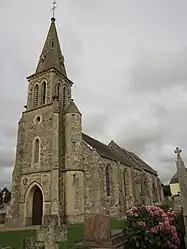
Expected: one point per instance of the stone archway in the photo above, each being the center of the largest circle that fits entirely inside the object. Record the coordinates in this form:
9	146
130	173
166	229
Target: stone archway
34	206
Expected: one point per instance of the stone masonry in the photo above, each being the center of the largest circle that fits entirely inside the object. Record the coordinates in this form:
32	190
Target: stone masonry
58	169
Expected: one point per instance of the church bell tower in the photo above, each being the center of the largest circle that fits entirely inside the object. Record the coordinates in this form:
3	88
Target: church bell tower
38	192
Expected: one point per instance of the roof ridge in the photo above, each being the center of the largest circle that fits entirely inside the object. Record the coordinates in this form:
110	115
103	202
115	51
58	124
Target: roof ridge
104	150
129	153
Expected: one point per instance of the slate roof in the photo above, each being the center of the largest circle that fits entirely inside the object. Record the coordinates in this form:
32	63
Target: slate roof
104	151
135	160
142	163
123	156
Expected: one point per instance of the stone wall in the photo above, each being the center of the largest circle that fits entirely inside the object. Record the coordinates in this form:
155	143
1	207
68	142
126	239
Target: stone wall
45	124
121	196
128	185
74	172
74	185
94	199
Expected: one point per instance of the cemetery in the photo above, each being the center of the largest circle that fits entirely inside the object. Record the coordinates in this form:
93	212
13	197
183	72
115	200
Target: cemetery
166	230
145	226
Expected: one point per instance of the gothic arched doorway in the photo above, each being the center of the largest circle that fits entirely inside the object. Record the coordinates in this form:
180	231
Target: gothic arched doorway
37	206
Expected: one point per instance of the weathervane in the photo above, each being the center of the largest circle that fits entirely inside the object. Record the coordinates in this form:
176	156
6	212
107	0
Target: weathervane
54	8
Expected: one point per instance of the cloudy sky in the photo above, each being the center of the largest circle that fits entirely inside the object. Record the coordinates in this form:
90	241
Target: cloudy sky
128	60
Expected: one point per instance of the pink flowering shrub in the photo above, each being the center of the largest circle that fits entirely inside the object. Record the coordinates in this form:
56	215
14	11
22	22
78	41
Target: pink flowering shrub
151	227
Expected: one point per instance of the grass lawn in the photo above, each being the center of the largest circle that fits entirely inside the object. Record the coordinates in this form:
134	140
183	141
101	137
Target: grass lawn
75	235
14	239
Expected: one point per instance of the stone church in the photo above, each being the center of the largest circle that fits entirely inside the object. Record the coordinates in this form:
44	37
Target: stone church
59	171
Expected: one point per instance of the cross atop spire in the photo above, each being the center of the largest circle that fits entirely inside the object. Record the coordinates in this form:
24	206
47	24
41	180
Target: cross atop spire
53	9
178	151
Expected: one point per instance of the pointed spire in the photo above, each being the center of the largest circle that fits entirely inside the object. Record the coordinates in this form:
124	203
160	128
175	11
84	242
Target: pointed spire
51	56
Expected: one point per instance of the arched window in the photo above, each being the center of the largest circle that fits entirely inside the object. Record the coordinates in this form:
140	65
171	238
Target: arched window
58	91
107	175
36	150
142	189
35	96
124	182
153	187
43	94
64	97
154	191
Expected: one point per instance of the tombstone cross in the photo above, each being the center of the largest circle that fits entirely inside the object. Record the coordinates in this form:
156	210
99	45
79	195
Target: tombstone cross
178	151
51	235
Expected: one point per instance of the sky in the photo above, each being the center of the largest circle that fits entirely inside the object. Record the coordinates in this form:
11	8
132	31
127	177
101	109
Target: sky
128	62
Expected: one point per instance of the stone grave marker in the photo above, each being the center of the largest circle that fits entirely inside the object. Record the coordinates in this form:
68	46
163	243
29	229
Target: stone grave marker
51	235
97	229
97	233
28	243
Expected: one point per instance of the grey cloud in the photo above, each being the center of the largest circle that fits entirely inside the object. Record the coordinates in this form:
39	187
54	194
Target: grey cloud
160	110
126	95
5	183
5	176
167	154
6	158
155	71
167	175
8	131
162	158
166	159
138	143
140	133
155	135
96	125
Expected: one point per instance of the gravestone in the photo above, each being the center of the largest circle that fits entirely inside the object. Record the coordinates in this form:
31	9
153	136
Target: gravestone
97	229
51	235
28	243
182	176
98	234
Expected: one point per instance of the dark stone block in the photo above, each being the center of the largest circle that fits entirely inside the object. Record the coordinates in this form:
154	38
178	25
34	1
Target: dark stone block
97	233
97	228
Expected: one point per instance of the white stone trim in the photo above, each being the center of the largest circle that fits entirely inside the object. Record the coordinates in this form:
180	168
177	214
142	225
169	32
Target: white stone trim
28	198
